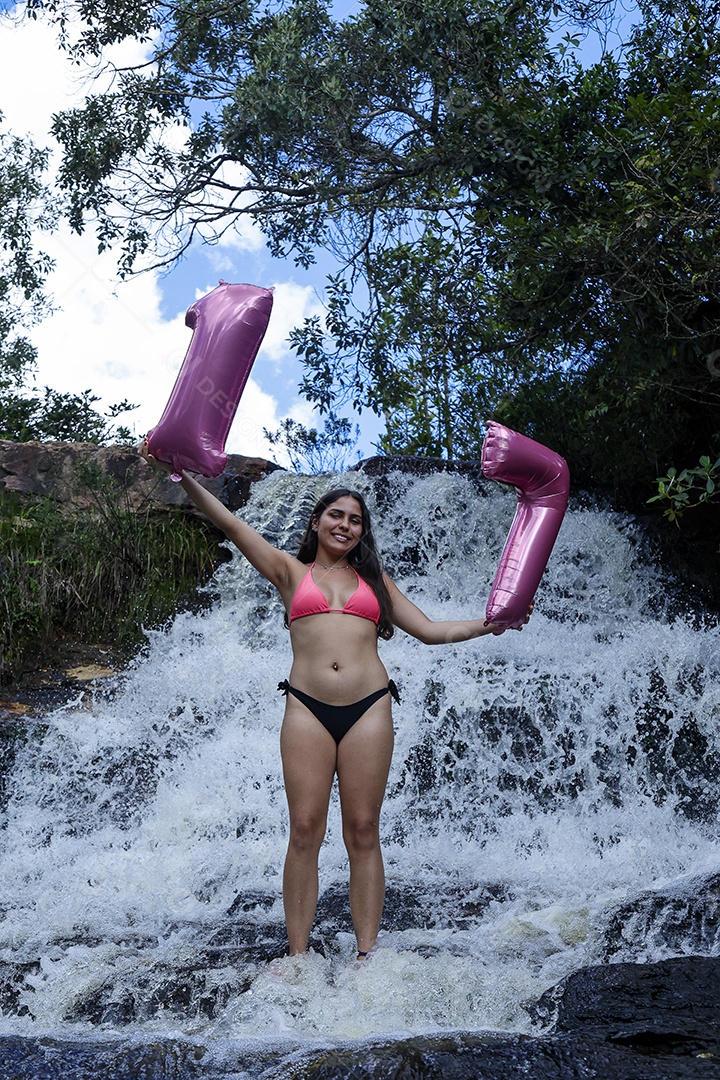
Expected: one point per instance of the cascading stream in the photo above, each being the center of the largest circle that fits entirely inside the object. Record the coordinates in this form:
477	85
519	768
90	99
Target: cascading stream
540	781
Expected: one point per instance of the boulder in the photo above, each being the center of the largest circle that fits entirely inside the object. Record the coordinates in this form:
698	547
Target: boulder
60	471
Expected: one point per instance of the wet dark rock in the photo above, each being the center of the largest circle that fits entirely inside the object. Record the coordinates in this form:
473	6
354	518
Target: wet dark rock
661	1010
455	907
251	901
682	918
182	993
51	1059
456	1057
14	987
246	942
493	1057
71	671
12	736
617	1022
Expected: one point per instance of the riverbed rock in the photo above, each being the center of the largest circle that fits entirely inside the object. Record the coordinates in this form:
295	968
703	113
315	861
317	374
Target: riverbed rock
615	1022
683	917
60	470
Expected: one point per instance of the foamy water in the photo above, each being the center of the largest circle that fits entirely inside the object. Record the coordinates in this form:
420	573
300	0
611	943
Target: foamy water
540	779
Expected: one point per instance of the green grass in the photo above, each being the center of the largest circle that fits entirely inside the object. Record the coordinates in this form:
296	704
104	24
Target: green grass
99	574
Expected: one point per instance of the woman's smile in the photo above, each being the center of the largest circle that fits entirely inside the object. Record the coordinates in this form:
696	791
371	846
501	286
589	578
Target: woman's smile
341	524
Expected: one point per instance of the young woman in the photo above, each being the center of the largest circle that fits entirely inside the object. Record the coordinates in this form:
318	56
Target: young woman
337	713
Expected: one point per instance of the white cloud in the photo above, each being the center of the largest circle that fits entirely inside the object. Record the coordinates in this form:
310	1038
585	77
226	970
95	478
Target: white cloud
244	235
292	304
111	336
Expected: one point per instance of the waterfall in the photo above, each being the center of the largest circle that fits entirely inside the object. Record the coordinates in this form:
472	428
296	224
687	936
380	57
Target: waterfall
541	780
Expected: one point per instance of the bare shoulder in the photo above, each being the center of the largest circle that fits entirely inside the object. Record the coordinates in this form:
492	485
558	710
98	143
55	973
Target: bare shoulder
393	590
398	599
296	571
390	584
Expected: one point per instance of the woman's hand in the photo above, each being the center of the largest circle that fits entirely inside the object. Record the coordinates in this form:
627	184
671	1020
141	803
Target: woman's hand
143	450
526	620
498	628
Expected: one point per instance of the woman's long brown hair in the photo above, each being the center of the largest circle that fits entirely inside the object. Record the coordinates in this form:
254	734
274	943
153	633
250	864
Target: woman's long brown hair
363	558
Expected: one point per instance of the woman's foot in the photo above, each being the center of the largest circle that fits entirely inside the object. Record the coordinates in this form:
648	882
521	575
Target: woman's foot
288	968
363	956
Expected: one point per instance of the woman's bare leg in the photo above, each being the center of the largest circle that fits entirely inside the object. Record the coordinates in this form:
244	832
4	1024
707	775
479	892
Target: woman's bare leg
309	757
363	765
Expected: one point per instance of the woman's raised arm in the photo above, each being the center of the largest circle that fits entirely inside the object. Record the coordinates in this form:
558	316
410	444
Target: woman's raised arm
273	564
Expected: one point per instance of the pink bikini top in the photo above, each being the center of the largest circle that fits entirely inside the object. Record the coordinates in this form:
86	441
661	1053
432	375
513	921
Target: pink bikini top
310	600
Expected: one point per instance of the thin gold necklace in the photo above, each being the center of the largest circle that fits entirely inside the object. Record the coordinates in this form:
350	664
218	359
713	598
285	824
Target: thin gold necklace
324	567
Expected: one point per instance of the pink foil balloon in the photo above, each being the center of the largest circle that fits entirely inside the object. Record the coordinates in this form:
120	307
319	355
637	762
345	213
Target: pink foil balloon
228	326
542	480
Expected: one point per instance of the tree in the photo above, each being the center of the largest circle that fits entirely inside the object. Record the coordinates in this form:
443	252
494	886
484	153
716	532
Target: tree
314	451
347	134
27	209
326	132
517	233
63	417
25	206
624	262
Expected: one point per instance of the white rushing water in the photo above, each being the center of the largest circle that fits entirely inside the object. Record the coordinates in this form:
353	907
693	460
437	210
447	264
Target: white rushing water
540	779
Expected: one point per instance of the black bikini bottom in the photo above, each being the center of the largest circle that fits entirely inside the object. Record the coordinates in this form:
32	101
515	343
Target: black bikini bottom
338	719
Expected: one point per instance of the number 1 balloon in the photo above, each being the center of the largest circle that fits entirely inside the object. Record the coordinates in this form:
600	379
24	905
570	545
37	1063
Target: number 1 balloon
228	326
